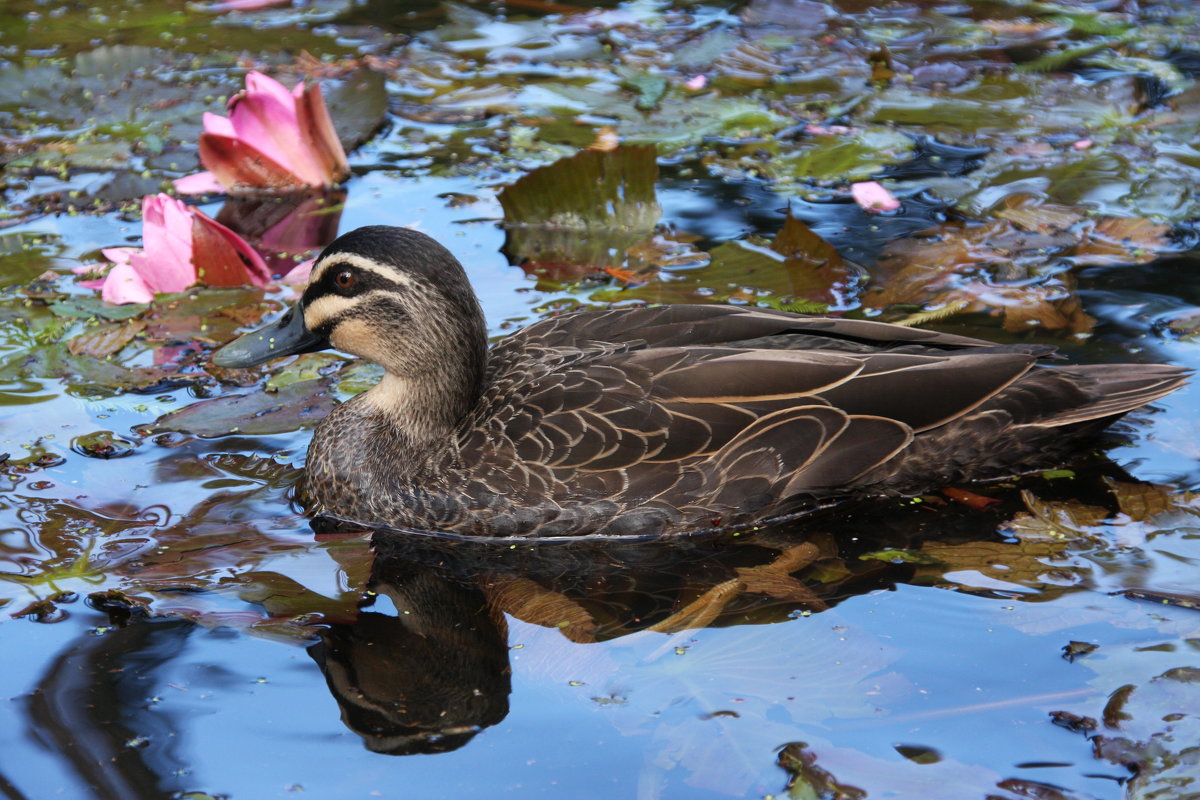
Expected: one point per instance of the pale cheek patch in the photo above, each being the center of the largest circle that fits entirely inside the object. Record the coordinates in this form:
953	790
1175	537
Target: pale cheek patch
358	337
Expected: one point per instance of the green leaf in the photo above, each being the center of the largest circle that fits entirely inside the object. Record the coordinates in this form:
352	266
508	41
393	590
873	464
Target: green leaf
357	106
584	211
90	307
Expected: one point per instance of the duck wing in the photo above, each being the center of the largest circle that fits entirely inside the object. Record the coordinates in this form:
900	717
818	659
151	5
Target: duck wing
692	325
712	430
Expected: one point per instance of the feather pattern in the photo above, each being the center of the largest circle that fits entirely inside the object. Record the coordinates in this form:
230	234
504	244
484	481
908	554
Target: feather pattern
663	420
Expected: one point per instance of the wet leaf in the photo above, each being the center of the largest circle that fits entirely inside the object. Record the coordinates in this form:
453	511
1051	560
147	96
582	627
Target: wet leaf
1074	650
1141	501
299	405
799	271
981	268
582	213
808	781
1122	241
306	367
1055	521
91	307
357	106
1034	214
257	468
107	340
649	88
1025	563
850	157
1152	729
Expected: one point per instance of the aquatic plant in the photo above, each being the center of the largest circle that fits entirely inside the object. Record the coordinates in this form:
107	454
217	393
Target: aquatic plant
181	246
273	139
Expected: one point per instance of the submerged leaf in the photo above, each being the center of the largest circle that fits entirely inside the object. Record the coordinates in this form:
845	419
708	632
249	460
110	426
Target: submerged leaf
107	340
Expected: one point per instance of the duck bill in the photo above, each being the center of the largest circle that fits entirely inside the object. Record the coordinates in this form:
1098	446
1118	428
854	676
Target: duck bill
284	337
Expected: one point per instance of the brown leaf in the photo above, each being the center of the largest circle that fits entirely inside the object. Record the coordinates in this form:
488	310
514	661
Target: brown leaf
531	602
972	257
1023	562
1139	501
1130	240
970	499
1032	213
106	340
1059	521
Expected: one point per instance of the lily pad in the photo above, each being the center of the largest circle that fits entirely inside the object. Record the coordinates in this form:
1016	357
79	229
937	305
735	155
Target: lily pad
298	405
357	106
584	212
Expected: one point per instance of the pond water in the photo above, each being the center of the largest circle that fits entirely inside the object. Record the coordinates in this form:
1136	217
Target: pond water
171	626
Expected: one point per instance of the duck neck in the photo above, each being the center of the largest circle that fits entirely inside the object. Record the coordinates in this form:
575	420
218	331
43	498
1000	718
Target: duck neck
425	411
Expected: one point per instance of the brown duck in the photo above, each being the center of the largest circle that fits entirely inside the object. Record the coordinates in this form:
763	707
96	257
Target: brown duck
653	420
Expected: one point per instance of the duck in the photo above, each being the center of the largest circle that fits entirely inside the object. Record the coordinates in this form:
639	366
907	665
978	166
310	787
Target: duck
653	421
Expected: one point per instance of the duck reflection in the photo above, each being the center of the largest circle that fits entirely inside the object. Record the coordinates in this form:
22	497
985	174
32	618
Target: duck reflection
430	672
426	678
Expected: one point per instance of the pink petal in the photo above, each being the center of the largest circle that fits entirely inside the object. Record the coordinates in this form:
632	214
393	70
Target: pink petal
697	83
226	253
119	255
165	262
238	165
872	197
1082	144
320	137
200	183
125	285
299	274
215	123
264	117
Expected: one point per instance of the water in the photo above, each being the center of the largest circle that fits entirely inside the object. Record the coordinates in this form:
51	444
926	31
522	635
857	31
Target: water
173	628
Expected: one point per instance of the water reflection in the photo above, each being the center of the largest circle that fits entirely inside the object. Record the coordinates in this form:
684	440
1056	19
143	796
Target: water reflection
424	666
286	230
94	707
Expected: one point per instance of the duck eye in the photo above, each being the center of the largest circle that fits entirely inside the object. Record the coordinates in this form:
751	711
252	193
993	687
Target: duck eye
344	279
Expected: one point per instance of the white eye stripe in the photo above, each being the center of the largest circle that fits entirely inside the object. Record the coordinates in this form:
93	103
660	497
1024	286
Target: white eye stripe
358	262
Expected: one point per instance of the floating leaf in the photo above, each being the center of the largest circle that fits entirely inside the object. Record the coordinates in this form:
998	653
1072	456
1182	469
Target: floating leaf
299	405
1033	213
306	367
1055	521
1122	241
92	307
107	340
582	213
799	271
1152	729
357	106
808	781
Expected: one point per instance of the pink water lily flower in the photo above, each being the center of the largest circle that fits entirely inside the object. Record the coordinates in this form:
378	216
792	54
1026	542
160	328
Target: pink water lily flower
272	139
180	246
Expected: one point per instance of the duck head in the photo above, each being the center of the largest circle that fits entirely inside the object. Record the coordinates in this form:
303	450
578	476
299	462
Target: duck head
393	296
